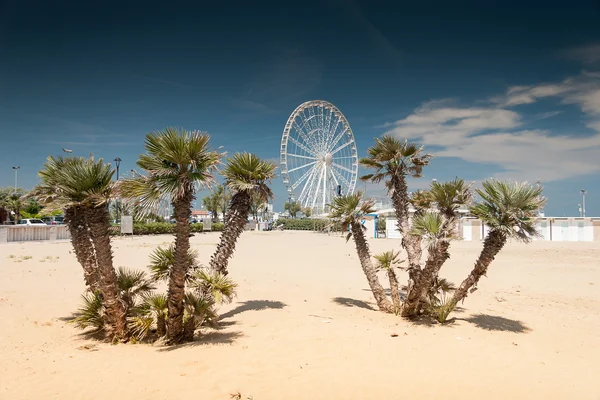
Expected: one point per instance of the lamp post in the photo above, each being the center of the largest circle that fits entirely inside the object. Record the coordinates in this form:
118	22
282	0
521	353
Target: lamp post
16	168
118	164
583	192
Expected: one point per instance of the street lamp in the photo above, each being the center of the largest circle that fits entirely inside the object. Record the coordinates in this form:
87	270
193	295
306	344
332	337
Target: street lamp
117	163
16	168
583	192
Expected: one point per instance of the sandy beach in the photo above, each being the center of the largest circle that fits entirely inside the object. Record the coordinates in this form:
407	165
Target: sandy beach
304	327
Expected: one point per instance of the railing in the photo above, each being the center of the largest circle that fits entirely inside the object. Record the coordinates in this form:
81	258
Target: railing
26	233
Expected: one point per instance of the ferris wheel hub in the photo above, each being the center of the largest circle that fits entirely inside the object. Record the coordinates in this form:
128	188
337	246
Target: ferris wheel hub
328	159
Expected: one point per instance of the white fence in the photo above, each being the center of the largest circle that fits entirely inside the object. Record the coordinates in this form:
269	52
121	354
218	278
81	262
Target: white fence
554	229
24	233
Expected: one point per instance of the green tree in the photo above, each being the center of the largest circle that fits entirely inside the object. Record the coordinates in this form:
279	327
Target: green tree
257	205
175	163
246	175
348	210
212	203
293	207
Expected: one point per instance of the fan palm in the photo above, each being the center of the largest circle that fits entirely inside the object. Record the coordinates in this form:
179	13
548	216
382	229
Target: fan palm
509	210
82	187
246	175
176	162
387	261
450	196
393	160
348	210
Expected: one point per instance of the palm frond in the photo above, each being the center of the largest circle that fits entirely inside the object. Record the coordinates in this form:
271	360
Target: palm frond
91	313
71	181
162	260
140	325
388	259
510	207
451	195
133	283
248	172
221	288
432	227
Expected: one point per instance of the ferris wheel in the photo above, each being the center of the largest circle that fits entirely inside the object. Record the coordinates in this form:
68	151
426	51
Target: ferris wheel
318	155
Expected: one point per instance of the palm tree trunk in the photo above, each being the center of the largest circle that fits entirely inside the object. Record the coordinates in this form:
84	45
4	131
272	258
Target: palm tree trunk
179	270
98	219
161	325
236	218
436	258
82	245
364	255
492	245
394	288
189	327
410	243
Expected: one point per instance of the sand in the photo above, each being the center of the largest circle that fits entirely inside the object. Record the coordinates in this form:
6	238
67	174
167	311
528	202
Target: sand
304	327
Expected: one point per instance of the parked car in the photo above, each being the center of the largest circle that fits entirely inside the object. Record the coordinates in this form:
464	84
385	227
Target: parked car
32	222
54	220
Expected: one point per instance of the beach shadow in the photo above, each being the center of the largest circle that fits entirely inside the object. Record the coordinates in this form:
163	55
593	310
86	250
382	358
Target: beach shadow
214	337
495	323
348	302
254	305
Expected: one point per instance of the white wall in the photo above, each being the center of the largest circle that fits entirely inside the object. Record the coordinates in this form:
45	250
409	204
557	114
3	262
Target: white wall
391	229
467	230
21	233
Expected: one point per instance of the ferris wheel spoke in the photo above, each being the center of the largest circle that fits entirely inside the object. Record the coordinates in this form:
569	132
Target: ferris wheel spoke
304	195
341	147
316	193
334	177
302	178
342	167
341	177
302	166
303	147
299	156
335	140
344	158
303	135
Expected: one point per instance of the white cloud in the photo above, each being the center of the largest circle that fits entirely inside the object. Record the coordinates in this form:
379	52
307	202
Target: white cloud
497	135
589	54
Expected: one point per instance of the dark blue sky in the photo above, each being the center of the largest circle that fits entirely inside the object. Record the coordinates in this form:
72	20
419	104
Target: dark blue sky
505	89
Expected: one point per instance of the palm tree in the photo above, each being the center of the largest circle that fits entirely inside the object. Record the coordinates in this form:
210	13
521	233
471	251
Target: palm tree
509	210
393	160
176	162
247	176
82	188
349	210
387	261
